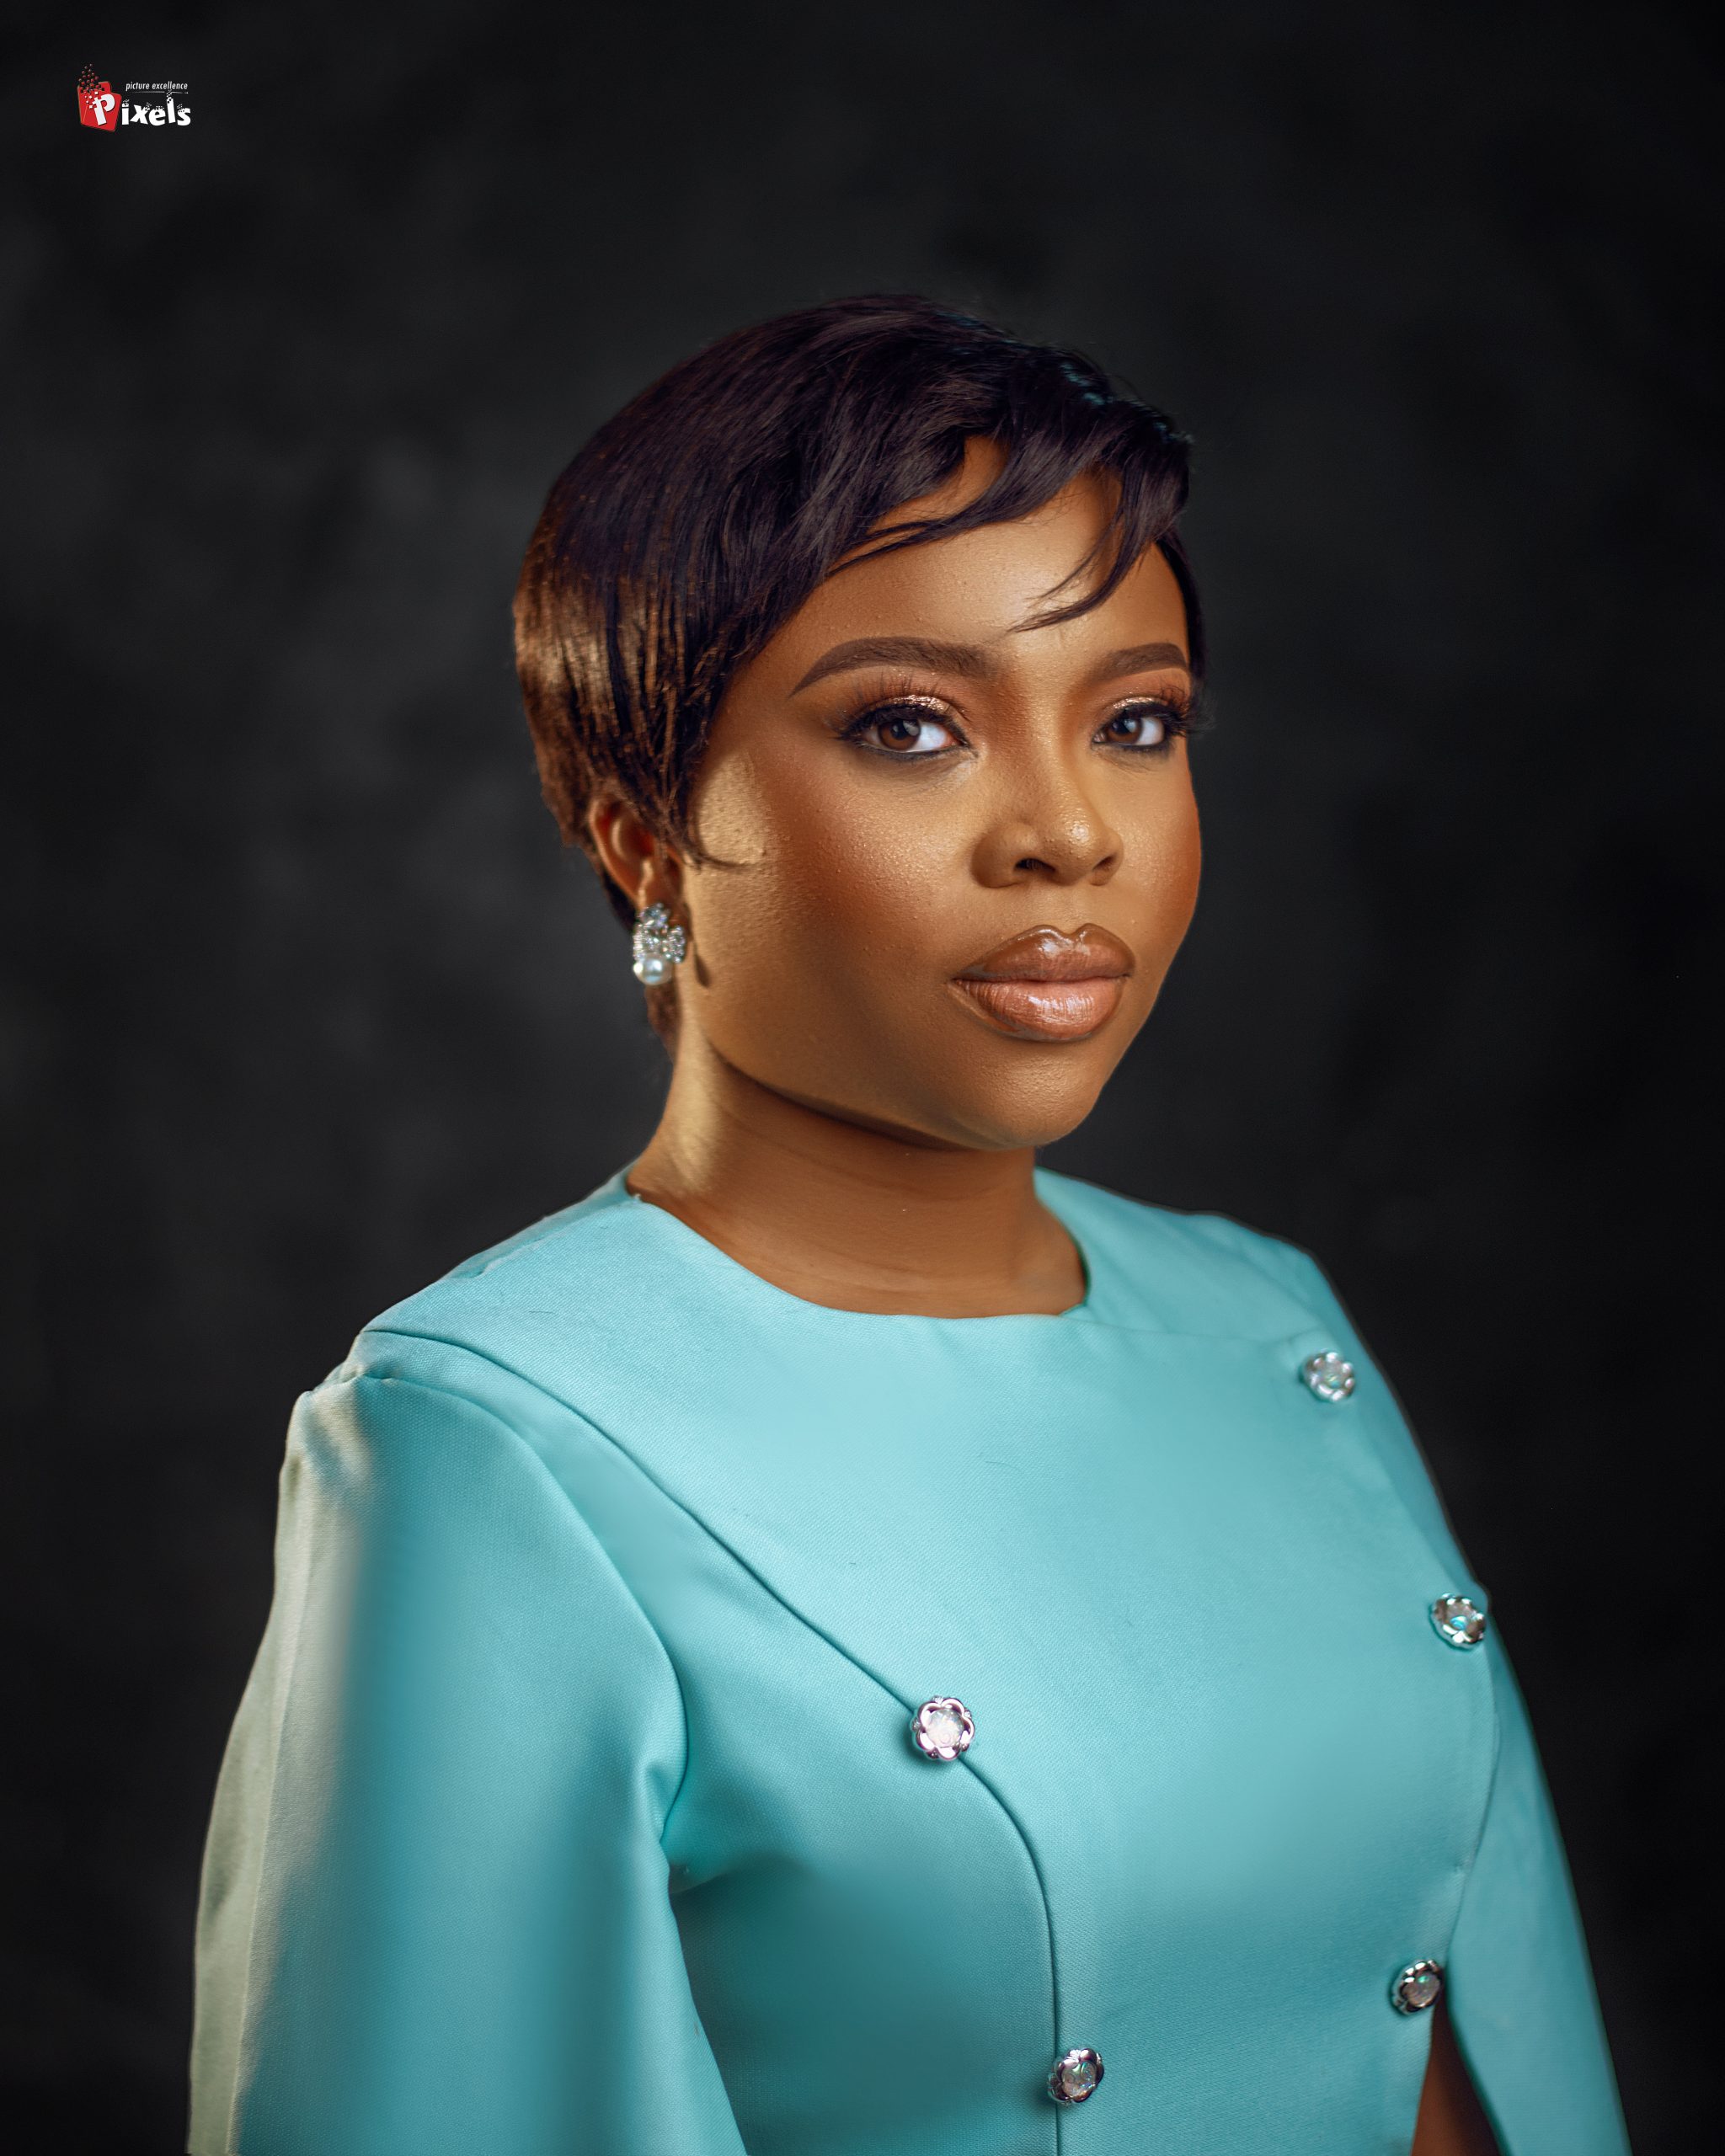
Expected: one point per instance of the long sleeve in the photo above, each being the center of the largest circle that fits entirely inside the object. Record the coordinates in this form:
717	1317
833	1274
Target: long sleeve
1521	1994
1519	1984
434	1917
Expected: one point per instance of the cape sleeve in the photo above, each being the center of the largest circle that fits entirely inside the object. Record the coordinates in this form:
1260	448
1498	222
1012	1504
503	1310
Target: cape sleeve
1519	1984
434	1915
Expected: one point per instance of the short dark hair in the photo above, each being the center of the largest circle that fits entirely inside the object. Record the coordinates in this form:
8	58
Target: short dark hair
695	522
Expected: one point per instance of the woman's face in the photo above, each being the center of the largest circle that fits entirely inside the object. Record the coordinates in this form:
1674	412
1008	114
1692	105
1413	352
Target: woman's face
953	857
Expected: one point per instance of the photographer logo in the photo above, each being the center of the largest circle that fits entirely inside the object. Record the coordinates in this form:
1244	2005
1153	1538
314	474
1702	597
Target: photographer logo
142	104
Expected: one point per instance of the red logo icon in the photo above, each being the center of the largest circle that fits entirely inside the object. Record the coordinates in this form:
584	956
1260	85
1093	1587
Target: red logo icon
97	104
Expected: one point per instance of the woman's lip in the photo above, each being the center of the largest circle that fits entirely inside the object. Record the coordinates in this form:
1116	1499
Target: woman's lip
1049	954
1044	1010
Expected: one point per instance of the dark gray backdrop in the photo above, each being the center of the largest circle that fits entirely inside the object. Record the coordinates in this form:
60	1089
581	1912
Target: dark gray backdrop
309	1005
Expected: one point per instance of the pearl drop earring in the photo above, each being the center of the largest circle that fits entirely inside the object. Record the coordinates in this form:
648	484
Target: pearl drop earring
660	943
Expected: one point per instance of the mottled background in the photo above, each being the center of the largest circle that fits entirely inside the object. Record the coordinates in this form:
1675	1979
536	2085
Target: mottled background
309	1006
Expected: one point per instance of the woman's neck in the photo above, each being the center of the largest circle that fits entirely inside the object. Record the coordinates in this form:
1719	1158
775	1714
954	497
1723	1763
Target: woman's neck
853	1218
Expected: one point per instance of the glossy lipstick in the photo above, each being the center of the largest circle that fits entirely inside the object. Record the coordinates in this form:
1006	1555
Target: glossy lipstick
1046	985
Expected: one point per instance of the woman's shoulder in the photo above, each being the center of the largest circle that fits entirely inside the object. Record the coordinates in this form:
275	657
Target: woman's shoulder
486	1385
551	1287
1198	1271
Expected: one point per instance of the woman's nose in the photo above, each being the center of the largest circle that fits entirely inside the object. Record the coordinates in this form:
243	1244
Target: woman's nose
1062	834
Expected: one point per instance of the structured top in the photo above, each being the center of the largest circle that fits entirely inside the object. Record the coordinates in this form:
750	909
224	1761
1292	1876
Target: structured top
694	1721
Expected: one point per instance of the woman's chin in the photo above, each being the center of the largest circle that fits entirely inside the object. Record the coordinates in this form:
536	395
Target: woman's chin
1029	1110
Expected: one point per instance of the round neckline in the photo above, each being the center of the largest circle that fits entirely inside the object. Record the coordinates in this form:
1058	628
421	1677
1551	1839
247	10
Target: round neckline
744	1276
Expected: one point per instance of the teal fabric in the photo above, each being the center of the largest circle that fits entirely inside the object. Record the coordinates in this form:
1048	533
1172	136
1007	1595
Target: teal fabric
571	1806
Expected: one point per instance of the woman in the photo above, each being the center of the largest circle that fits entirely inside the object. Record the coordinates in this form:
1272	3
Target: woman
843	1641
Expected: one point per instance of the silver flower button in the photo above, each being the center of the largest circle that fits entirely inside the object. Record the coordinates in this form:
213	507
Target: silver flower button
1460	1622
941	1729
1074	2075
1416	1987
1330	1376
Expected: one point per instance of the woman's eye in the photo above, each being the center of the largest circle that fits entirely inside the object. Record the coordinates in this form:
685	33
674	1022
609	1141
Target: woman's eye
1145	726
904	730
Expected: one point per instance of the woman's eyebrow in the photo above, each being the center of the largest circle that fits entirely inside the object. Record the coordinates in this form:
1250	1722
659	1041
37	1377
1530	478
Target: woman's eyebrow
1137	658
967	659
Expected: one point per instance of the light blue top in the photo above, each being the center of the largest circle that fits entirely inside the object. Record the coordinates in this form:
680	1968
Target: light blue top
572	1805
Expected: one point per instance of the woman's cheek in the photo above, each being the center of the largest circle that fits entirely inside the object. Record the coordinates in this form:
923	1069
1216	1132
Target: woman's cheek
858	867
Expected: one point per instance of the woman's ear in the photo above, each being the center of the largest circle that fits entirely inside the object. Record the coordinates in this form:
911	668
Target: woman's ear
641	864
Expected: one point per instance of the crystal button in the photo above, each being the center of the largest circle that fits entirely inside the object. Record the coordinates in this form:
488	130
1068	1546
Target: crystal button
941	1729
1330	1376
1074	2075
1416	1987
1460	1622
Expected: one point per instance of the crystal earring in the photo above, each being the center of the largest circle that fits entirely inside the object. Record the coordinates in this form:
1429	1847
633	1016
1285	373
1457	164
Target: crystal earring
660	944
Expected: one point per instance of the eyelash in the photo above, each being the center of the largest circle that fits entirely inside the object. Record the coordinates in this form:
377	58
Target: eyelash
1175	708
